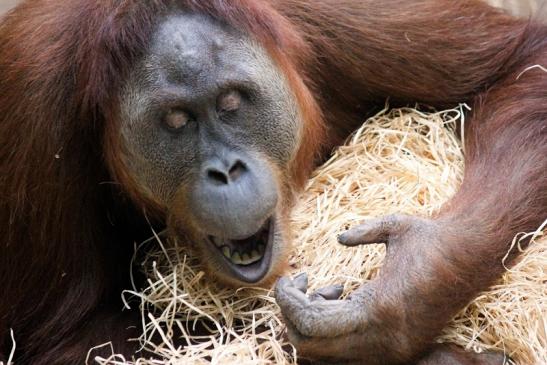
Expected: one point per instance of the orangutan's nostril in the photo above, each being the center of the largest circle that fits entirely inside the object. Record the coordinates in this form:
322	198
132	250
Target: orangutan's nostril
237	170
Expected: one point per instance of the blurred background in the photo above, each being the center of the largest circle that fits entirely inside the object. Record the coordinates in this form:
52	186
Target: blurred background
5	5
521	7
517	7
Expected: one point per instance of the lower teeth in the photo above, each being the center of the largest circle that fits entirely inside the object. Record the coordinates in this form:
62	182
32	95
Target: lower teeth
245	258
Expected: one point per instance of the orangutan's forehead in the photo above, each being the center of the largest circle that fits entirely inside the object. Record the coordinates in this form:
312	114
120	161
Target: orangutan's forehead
192	46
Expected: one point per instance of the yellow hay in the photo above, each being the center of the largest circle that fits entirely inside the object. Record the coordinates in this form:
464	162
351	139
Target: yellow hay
401	160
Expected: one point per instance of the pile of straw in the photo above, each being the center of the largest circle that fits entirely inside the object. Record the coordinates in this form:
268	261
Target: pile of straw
401	160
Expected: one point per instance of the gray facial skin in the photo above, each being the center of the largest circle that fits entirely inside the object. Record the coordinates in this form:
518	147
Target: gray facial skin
210	127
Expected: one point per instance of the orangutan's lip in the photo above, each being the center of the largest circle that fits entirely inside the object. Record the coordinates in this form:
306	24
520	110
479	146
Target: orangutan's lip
247	259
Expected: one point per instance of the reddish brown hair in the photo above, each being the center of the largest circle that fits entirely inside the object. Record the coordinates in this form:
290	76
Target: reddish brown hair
61	66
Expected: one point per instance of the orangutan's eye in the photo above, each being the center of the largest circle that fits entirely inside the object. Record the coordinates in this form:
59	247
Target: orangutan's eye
228	101
176	119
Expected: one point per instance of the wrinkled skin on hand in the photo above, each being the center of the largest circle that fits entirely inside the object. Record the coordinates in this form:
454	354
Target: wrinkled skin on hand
391	319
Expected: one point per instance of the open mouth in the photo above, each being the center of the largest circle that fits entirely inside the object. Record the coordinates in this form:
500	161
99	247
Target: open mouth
248	259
